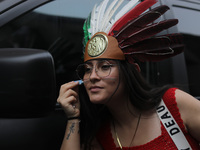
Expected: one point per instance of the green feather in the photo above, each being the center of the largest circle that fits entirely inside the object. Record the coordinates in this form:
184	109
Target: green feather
86	27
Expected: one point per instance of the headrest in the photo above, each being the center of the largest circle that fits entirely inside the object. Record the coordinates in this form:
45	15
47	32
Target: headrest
27	82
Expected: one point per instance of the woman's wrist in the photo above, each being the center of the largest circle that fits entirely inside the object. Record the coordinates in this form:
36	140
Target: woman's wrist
73	118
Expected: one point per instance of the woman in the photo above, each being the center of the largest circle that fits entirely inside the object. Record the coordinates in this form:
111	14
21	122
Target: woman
116	107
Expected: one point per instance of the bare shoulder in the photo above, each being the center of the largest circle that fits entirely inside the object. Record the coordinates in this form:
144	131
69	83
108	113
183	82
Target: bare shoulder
187	103
186	100
189	108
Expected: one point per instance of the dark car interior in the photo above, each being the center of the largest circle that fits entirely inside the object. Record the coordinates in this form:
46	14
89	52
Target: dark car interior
28	119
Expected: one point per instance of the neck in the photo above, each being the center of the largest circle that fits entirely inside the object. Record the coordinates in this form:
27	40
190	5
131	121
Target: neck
125	119
123	112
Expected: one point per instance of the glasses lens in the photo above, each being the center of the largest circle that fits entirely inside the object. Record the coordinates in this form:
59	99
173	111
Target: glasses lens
103	68
83	70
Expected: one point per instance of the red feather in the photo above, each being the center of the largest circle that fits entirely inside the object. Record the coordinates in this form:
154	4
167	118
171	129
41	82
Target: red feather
147	32
154	58
132	14
141	21
155	49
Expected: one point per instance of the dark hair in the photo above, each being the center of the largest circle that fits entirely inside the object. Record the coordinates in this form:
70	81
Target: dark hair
141	94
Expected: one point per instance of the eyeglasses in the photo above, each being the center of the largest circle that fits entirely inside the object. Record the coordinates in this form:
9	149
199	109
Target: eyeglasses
102	69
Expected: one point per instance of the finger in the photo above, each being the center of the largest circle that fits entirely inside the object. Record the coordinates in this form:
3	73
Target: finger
72	99
70	105
68	101
69	93
70	96
68	86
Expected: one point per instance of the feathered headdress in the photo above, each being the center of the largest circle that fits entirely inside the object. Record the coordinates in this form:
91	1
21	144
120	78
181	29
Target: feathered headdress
131	33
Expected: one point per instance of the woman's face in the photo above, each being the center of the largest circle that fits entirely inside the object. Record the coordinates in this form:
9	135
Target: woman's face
101	80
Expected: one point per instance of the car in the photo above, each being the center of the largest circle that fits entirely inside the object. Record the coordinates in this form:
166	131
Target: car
40	48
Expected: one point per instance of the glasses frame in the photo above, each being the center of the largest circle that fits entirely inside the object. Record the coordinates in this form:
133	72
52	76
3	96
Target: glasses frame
96	70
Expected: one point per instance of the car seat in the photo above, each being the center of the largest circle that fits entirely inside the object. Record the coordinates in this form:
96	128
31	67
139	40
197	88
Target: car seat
28	119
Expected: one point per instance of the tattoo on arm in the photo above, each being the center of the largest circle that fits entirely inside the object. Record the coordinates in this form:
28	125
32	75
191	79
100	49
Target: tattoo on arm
71	130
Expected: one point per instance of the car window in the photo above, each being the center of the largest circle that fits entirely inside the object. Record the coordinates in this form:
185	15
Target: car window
61	35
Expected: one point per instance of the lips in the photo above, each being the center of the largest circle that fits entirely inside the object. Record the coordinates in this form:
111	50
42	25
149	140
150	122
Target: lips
95	88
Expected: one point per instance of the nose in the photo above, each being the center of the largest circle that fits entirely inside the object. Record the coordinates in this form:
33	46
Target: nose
94	75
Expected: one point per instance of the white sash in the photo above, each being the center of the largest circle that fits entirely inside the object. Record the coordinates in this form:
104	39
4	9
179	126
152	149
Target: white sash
172	127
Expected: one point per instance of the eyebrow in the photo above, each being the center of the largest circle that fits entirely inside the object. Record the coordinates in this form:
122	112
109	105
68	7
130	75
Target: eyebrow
101	60
88	63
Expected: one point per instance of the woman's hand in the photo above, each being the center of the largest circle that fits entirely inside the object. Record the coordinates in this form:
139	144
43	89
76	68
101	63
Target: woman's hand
69	99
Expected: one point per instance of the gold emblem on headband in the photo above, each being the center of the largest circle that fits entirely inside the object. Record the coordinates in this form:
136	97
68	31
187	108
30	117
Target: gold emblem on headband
97	45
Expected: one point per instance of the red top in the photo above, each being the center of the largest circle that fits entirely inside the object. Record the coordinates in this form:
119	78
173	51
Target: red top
163	141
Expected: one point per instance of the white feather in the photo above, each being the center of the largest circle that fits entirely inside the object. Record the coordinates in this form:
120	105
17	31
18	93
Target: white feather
102	19
101	13
96	19
92	22
125	9
108	12
107	29
99	9
112	13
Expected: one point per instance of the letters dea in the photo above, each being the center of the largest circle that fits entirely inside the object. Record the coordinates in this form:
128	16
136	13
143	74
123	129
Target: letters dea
169	122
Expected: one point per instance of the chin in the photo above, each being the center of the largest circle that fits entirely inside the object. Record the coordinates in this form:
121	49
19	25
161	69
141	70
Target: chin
97	100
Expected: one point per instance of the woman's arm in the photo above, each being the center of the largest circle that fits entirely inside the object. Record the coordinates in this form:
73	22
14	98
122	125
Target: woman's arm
190	112
69	100
71	140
